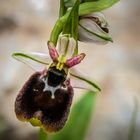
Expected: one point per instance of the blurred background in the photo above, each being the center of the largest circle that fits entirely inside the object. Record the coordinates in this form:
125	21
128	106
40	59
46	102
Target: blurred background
25	26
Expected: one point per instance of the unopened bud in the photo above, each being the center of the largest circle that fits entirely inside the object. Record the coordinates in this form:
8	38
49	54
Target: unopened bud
94	28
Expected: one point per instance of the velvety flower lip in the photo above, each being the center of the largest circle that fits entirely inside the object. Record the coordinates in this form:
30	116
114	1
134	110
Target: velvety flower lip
37	107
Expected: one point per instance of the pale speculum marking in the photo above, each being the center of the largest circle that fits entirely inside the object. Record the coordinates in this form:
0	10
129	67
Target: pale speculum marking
50	88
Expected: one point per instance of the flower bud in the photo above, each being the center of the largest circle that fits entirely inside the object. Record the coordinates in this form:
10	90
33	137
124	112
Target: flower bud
93	28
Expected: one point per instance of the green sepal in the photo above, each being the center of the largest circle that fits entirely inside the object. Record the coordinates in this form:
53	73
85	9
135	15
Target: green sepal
94	87
36	61
21	56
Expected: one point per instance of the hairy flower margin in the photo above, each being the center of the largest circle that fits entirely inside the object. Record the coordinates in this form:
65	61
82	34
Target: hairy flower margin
46	97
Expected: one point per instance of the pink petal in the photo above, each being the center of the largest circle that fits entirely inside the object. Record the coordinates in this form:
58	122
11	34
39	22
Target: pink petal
53	52
75	60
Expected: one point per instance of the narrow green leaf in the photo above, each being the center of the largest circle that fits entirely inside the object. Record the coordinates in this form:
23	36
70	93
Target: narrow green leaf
100	4
133	120
70	3
57	29
96	6
75	19
42	135
71	26
63	9
79	120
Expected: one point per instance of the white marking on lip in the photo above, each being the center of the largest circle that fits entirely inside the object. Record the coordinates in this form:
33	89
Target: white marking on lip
50	88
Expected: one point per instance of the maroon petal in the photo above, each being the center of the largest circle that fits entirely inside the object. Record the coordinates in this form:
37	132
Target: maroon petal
33	103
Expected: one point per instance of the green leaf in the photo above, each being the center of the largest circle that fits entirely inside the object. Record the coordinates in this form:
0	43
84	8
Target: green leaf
63	9
70	3
71	25
98	3
132	126
96	6
42	135
79	120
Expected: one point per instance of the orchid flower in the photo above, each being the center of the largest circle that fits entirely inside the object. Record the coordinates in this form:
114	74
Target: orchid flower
46	97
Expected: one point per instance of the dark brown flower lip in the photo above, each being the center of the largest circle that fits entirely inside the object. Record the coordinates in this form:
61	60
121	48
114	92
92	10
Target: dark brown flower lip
35	106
